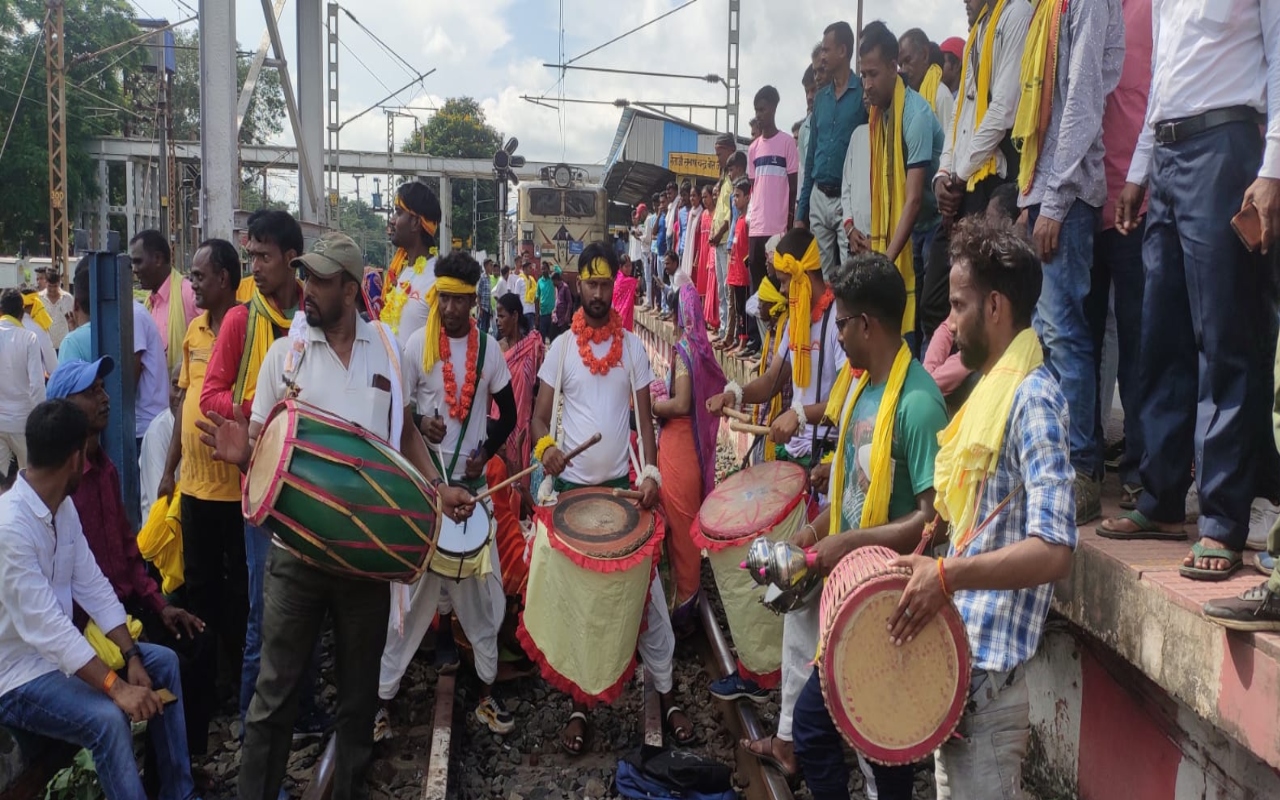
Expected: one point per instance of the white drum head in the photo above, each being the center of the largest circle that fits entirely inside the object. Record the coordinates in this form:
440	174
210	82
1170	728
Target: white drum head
465	539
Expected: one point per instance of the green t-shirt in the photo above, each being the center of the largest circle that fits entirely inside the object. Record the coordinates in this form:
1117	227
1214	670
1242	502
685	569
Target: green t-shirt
546	296
921	415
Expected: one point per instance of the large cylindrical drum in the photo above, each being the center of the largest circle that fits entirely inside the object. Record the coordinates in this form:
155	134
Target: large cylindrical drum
893	704
590	573
765	500
340	498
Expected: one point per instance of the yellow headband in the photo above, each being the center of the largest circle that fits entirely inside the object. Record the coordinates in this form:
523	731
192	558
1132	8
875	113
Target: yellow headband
597	268
431	346
427	225
800	295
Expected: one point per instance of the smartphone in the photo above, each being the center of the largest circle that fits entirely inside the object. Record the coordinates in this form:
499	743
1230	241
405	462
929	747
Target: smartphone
166	696
1248	226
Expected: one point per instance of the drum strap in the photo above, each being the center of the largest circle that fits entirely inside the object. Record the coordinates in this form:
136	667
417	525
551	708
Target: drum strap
816	455
453	462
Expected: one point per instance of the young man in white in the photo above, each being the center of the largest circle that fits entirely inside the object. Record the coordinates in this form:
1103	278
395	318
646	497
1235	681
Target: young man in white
452	370
21	381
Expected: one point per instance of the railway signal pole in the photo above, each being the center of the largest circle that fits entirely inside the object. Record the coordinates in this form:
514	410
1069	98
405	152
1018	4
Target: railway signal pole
505	163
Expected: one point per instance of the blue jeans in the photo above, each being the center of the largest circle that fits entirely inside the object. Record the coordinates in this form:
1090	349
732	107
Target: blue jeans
1208	337
722	285
70	710
820	752
921	247
1117	263
1064	330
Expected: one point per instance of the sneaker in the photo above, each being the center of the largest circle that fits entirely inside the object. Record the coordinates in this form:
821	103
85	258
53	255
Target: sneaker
1256	609
315	725
1088	499
382	726
492	713
1264	563
1262	518
1192	504
733	687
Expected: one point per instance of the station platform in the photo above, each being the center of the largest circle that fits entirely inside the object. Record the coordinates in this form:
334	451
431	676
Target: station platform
1135	694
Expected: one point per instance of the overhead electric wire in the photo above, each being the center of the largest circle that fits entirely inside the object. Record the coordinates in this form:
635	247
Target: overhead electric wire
621	36
21	92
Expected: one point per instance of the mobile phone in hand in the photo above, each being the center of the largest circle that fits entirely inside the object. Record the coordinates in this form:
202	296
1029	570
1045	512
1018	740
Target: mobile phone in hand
1248	226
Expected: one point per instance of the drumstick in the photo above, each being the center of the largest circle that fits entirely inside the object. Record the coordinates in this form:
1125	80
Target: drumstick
742	427
504	484
627	494
740	416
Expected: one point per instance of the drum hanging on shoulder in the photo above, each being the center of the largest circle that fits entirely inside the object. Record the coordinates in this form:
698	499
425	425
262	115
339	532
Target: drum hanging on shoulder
764	500
894	705
589	577
340	498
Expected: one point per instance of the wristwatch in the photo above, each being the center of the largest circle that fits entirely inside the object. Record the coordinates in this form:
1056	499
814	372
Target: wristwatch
130	653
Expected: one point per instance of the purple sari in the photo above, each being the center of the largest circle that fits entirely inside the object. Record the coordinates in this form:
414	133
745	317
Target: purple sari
708	380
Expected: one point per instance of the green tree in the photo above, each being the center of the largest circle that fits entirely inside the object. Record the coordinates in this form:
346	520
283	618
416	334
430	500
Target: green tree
266	115
459	130
368	228
97	104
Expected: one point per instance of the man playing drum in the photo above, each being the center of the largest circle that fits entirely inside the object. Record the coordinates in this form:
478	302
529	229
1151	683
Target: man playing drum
349	368
604	368
814	358
1011	508
882	482
451	370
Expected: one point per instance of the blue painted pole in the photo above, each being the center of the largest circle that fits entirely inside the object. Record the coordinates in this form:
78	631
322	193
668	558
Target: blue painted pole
111	294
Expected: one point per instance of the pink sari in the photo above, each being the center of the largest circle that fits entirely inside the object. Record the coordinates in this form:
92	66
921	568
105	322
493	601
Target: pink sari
624	299
523	360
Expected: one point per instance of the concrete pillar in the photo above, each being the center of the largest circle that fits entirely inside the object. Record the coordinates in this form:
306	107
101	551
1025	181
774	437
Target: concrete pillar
131	205
446	215
98	236
311	68
219	155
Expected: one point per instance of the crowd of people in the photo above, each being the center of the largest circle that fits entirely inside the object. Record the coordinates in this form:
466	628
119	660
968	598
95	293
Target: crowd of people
921	277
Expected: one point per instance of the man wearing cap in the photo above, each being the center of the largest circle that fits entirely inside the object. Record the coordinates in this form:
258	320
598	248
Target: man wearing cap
952	57
453	373
114	543
349	368
58	303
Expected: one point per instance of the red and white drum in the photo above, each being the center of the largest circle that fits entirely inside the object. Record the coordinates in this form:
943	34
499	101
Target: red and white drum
589	576
894	705
765	500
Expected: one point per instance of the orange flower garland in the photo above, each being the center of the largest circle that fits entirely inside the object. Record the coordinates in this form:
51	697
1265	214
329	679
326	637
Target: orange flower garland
460	402
587	336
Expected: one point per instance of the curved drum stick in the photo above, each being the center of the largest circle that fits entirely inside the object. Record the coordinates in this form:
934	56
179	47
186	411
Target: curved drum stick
595	438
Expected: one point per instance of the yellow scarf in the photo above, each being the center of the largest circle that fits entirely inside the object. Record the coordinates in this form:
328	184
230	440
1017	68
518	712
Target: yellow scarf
985	59
875	509
177	322
17	323
431	346
971	443
889	193
264	320
32	304
929	86
106	649
773	300
160	541
1039	74
530	288
800	301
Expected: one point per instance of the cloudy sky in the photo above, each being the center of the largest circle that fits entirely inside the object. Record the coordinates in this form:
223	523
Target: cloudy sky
494	50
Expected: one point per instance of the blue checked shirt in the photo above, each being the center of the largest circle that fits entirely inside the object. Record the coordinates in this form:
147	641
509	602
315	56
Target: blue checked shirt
1005	626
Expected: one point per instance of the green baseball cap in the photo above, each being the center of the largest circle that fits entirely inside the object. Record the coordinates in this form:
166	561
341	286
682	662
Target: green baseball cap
333	253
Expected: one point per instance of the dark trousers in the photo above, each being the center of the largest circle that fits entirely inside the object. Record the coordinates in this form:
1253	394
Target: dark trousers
1117	265
544	326
757	266
1208	337
820	752
197	667
532	319
935	294
921	252
214	568
741	325
297	597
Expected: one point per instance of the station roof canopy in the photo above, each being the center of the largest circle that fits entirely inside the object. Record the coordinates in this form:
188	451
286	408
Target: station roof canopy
650	149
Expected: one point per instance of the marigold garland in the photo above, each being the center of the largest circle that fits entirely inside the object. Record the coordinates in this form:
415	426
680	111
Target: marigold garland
460	402
395	293
587	336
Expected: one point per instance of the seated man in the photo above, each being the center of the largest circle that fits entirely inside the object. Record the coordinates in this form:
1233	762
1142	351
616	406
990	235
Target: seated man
114	544
53	684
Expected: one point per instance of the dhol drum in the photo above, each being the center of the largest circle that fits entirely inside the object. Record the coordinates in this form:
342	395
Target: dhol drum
589	577
462	549
765	500
340	498
895	705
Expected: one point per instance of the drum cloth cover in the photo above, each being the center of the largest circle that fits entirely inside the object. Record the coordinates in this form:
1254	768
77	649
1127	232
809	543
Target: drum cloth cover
589	579
895	705
340	498
764	500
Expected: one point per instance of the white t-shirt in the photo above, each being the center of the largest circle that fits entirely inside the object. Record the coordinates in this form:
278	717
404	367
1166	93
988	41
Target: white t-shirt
155	451
153	386
500	288
426	393
58	311
596	404
48	355
416	285
519	285
833	359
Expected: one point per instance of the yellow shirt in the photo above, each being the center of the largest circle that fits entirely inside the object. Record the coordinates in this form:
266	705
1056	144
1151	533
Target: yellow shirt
200	476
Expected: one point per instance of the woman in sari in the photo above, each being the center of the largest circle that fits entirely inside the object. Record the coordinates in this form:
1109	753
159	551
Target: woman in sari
523	349
709	291
687	426
625	285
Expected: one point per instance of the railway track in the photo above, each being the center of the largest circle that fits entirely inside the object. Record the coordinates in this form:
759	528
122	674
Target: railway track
755	780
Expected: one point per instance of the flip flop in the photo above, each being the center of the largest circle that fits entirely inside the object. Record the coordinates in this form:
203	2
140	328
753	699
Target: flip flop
1146	529
579	745
692	740
767	758
1199	551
